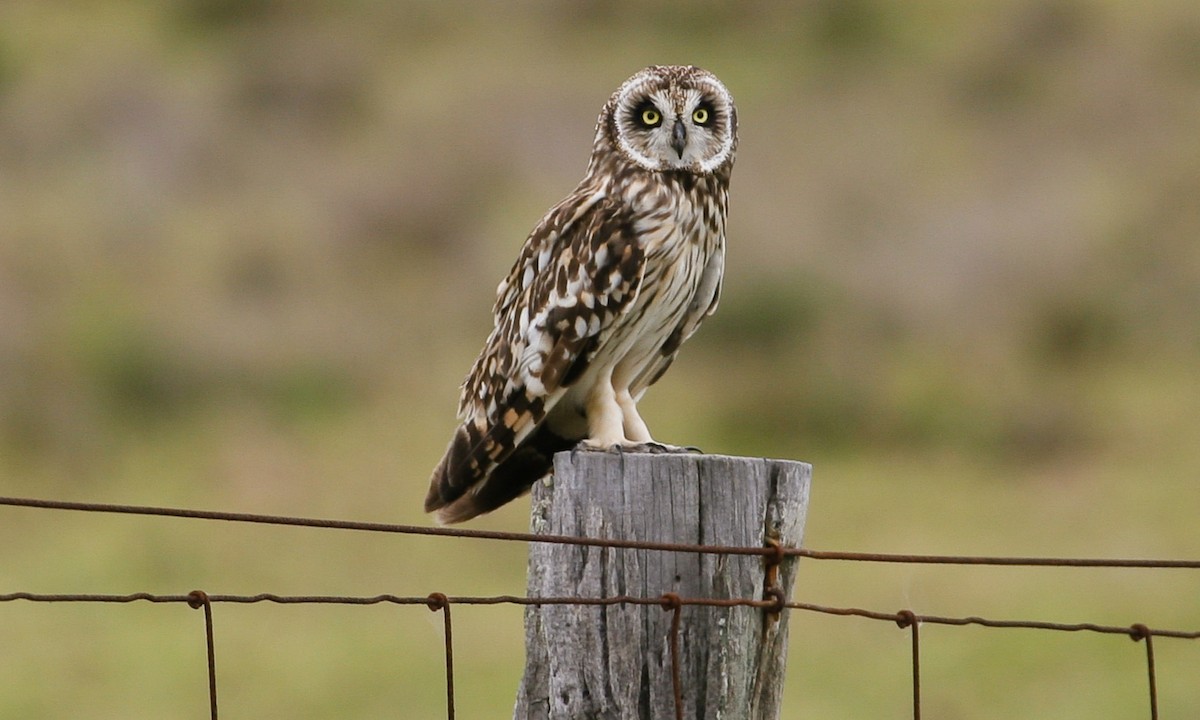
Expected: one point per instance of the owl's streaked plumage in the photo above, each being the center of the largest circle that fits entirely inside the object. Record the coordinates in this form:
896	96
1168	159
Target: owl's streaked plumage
607	287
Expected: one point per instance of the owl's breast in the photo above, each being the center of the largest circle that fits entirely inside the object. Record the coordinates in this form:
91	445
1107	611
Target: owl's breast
683	238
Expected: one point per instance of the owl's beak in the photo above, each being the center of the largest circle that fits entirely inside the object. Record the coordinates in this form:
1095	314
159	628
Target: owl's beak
679	137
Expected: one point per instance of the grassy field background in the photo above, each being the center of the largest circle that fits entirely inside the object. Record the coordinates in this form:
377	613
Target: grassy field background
247	251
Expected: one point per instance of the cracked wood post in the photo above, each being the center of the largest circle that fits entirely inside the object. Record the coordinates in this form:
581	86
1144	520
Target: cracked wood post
613	662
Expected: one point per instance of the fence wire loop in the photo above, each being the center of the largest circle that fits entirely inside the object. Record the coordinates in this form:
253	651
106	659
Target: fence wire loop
778	601
435	602
909	619
671	602
198	599
775	554
772	560
1139	632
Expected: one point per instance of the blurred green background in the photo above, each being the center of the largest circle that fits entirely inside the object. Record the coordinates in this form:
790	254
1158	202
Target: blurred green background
248	249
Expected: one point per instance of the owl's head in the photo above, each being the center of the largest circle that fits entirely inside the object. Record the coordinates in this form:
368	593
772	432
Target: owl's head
671	117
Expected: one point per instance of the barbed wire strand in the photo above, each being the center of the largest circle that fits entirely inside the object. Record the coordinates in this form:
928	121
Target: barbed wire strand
908	619
438	601
198	599
596	542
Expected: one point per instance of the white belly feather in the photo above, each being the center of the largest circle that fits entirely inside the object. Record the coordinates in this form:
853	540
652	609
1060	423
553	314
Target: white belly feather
684	261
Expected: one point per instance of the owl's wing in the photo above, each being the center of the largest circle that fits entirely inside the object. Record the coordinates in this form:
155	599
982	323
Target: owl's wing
578	271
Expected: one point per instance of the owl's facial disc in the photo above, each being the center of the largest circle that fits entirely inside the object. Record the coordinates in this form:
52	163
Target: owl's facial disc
664	122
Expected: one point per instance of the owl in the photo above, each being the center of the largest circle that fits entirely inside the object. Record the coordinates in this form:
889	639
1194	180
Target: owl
608	285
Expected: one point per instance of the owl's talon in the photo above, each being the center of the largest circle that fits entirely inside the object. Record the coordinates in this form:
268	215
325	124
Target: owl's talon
657	448
652	448
585	446
680	449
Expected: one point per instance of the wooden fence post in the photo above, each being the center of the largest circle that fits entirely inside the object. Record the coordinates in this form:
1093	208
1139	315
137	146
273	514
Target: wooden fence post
613	662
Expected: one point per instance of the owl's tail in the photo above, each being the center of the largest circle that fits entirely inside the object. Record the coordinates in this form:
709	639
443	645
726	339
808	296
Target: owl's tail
467	483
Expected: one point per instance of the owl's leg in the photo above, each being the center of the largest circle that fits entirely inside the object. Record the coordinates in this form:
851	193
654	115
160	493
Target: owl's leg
605	419
635	427
636	430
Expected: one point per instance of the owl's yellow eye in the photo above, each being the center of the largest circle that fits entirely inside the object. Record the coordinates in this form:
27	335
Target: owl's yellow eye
700	115
651	117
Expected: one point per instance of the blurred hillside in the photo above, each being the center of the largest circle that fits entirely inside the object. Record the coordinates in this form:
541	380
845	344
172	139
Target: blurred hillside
248	249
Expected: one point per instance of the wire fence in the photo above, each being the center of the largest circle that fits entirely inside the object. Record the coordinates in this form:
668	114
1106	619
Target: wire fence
773	601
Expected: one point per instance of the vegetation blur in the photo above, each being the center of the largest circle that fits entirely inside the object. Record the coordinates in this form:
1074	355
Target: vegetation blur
248	250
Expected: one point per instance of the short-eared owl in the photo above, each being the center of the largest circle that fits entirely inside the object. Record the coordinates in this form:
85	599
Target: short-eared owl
608	285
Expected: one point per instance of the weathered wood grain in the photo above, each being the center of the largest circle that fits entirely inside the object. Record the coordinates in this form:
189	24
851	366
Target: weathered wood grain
613	662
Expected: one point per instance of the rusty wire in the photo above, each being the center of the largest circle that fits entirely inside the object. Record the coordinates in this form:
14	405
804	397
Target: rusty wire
762	551
1141	632
438	601
773	601
198	599
1128	631
671	602
902	618
908	619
